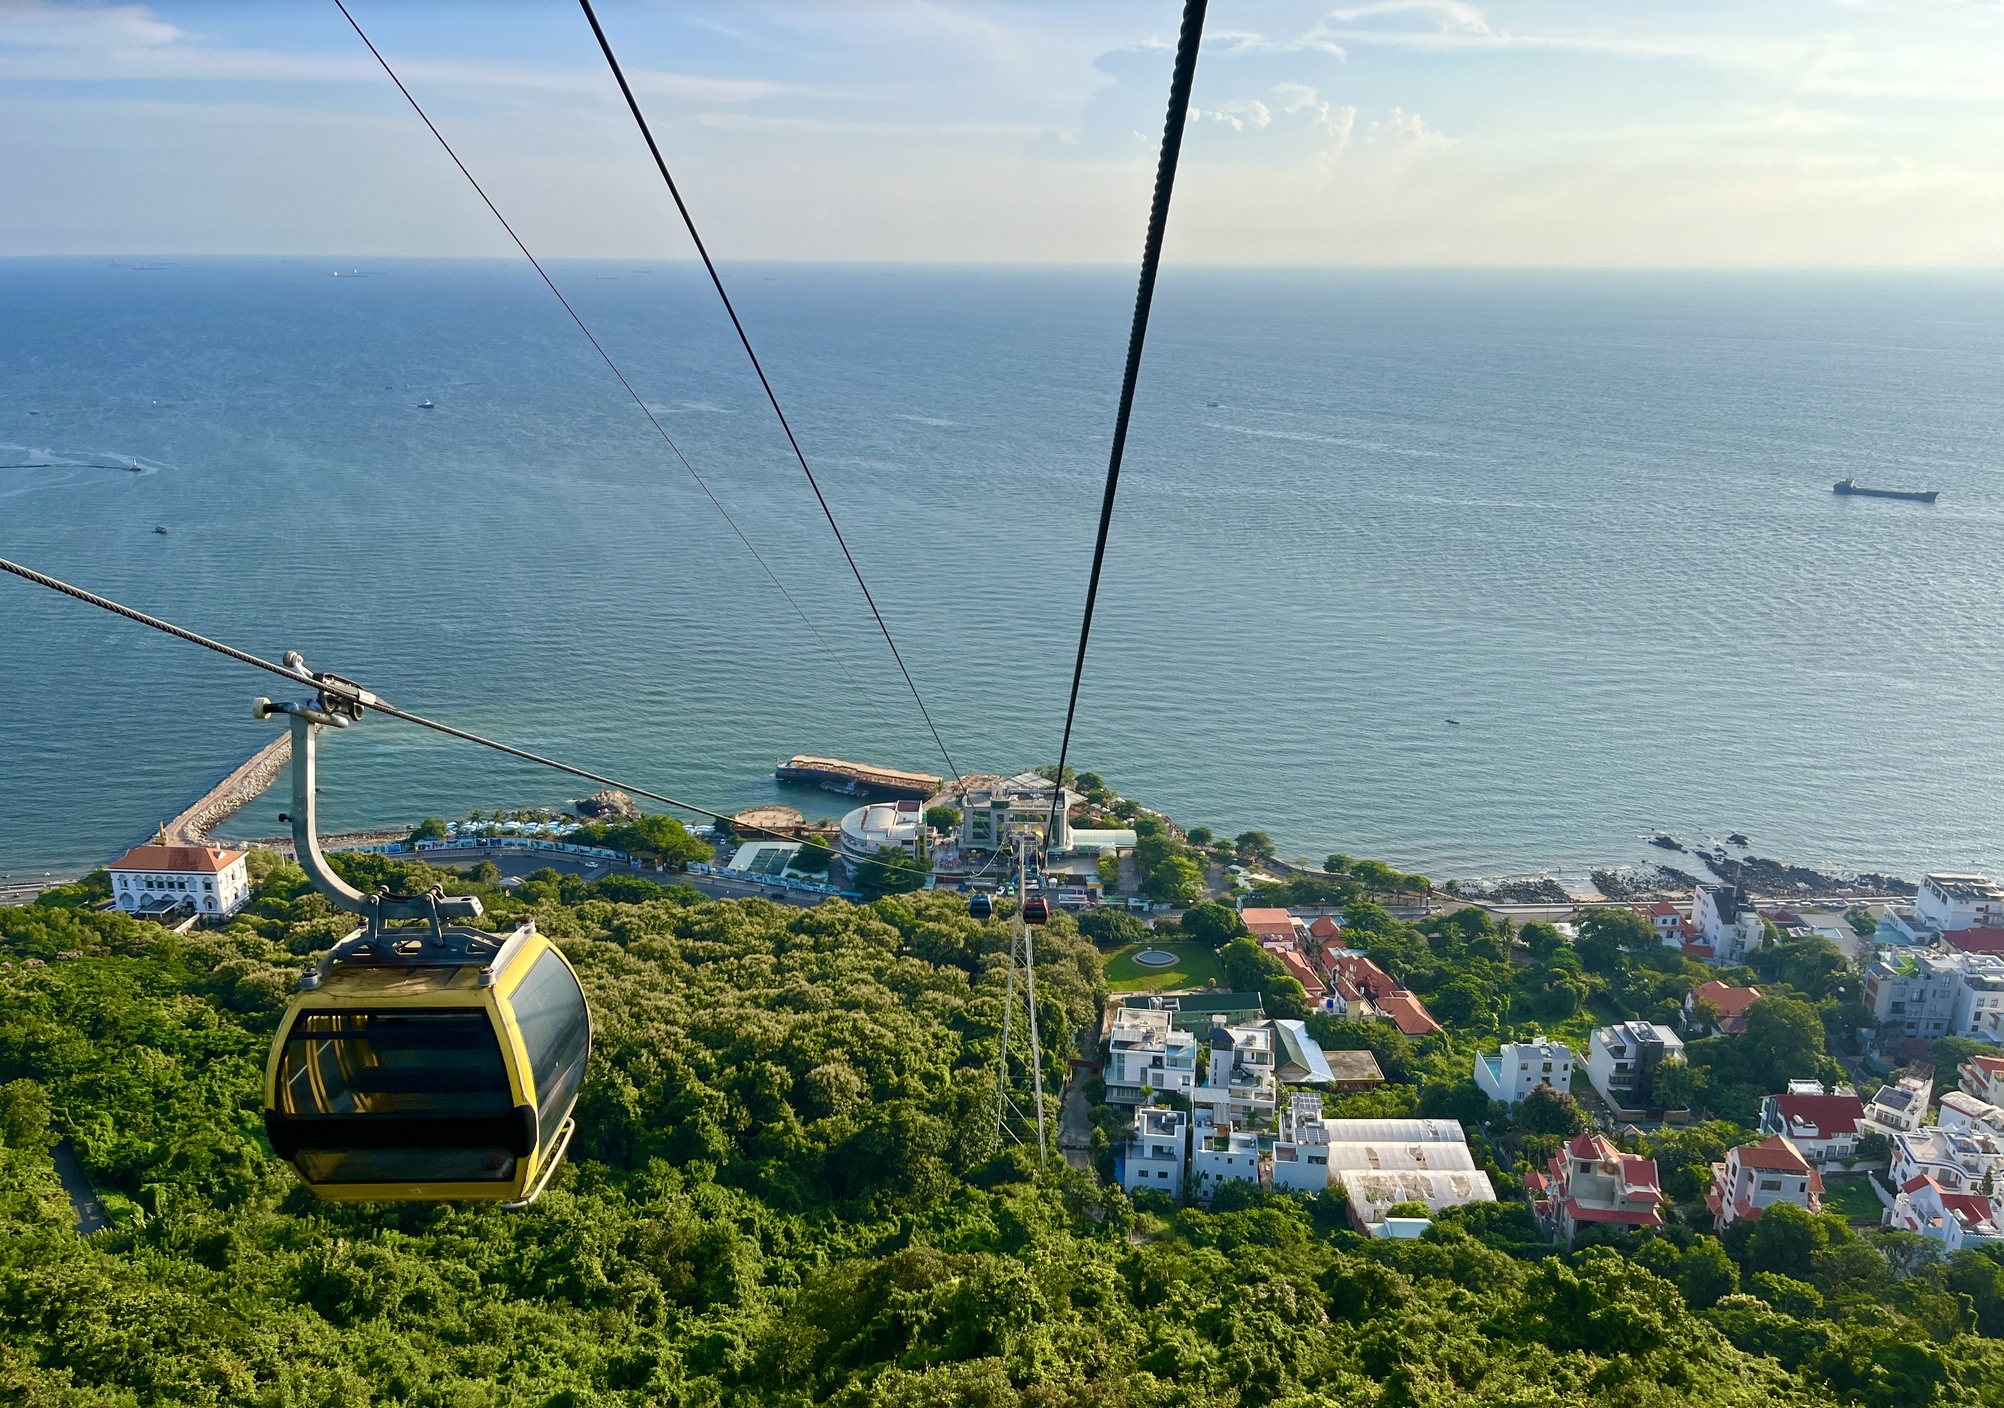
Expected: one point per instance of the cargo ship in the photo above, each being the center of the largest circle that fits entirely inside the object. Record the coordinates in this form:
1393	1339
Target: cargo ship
1851	486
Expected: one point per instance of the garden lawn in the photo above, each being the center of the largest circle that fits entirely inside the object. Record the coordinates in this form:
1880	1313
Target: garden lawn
1196	964
1854	1198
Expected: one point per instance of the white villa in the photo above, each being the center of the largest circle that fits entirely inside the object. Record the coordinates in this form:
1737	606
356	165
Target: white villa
1522	1066
1148	1052
159	880
1238	1089
1156	1149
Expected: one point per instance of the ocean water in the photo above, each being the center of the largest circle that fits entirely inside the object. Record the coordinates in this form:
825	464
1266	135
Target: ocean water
1588	516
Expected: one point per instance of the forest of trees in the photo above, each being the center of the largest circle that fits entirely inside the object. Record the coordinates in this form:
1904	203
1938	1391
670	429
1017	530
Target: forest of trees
786	1189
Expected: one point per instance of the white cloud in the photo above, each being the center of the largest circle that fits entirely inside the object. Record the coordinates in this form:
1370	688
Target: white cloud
1406	132
1238	114
1449	15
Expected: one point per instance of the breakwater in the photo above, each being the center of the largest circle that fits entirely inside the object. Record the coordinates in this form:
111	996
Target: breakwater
243	785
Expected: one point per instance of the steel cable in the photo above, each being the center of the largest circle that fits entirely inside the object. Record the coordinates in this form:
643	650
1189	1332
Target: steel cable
607	358
689	221
1187	45
365	699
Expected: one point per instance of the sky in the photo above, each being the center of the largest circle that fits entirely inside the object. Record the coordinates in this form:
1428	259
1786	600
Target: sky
1621	133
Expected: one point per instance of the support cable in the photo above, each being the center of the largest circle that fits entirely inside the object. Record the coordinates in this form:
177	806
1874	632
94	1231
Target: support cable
361	698
598	347
1187	44
716	279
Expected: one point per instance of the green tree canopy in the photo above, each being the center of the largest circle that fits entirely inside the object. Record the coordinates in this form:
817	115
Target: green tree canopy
432	828
890	872
1176	880
1110	929
1213	923
1549	1110
1783	1041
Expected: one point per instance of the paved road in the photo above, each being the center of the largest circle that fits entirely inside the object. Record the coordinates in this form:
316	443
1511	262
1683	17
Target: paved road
520	863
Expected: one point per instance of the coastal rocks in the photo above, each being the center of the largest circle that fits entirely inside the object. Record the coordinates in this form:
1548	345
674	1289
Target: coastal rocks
1666	841
1534	889
1643	882
1779	879
607	805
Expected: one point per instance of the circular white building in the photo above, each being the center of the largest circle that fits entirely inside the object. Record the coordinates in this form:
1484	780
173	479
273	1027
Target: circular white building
867	830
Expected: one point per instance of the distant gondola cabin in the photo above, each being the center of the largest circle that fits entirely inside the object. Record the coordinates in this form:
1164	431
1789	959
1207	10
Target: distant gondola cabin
159	880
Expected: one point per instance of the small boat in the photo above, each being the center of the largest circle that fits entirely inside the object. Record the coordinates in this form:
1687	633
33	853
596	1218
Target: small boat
1455	722
134	468
1851	486
425	405
161	529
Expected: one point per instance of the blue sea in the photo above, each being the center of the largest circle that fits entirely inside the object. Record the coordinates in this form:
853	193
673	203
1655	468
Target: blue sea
1585	515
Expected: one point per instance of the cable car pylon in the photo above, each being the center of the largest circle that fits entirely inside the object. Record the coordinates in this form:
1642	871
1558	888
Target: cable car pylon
1023	955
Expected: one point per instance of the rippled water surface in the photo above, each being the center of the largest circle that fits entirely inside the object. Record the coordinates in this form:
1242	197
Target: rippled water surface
1587	516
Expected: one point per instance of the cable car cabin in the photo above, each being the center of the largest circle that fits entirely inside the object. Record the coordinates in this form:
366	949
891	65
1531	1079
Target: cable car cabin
430	1066
979	905
1036	910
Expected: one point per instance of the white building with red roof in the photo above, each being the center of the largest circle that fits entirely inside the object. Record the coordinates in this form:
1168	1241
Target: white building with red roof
1728	1002
1673	926
1955	1219
160	879
1271	926
1983	1077
1592	1181
1754	1177
1824	1127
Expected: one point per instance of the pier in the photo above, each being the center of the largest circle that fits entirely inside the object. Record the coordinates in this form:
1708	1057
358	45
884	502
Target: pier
856	779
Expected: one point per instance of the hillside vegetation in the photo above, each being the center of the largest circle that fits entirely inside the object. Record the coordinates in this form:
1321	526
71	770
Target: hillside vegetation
786	1190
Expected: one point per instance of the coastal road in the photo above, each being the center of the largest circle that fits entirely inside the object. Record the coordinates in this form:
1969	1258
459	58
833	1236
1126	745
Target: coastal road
521	863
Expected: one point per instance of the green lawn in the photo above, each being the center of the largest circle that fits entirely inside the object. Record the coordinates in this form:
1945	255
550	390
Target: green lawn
1853	1198
1195	965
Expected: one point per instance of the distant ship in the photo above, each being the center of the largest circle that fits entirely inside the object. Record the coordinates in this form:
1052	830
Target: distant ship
425	404
161	529
1919	496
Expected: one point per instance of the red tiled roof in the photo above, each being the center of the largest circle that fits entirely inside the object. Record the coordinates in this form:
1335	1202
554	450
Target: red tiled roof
1694	949
1276	923
1913	1184
1591	1146
206	860
1299	967
1535	1181
1976	940
1773	1152
1828	1115
1639	1173
1325	928
1663	909
1729	1000
1990	1064
1346	990
1970	1209
1408	1013
1371	980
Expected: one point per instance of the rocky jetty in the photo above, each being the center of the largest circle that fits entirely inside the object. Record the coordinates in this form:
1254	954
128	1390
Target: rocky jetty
607	805
245	784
